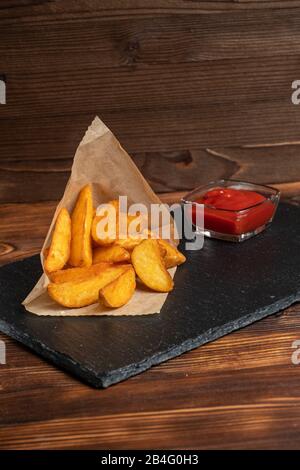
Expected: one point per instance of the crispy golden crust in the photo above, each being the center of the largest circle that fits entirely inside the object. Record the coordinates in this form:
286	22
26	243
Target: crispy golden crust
149	267
59	250
172	256
77	274
75	294
112	213
82	216
119	292
110	254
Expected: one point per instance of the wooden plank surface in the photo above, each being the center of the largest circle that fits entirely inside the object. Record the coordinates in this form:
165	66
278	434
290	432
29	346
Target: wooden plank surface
165	76
238	392
195	90
30	179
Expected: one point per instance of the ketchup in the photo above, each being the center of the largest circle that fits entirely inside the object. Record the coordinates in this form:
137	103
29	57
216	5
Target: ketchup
222	206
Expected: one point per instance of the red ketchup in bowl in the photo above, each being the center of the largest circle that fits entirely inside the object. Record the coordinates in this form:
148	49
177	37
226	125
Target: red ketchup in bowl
234	211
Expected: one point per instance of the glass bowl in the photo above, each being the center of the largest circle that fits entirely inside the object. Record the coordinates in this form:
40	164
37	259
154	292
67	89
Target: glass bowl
229	224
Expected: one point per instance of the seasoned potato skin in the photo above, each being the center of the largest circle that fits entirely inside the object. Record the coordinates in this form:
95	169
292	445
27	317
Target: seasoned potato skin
77	274
105	240
76	294
172	257
119	292
149	267
110	254
57	255
82	216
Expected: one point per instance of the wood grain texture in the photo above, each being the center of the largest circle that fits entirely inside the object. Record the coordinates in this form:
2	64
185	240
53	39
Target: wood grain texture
23	228
163	87
36	10
29	180
99	42
238	392
170	76
153	130
195	90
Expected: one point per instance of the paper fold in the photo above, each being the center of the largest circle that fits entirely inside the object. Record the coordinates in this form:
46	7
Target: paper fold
102	162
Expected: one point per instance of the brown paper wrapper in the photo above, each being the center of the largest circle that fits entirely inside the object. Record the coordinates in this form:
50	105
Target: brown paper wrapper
101	161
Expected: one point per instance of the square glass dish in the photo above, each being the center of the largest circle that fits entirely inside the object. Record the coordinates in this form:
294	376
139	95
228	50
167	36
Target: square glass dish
233	210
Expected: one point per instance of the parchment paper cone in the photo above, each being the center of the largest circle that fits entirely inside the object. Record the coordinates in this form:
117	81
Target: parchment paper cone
101	161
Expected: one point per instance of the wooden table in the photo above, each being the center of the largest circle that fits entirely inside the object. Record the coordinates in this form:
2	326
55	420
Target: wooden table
195	90
241	391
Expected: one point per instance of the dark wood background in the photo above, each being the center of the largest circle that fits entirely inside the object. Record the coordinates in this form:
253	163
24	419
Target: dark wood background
195	90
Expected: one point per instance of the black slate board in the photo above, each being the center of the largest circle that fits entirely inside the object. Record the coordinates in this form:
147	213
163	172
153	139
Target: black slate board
223	287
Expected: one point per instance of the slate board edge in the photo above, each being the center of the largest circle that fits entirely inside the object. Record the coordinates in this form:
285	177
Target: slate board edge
68	364
59	359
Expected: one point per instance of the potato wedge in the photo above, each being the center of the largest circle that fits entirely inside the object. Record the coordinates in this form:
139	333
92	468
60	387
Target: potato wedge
128	243
82	216
59	251
77	274
120	291
172	256
85	292
110	254
149	267
162	251
104	239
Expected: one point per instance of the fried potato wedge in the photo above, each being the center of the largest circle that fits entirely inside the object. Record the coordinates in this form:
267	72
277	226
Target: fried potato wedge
172	256
110	254
102	237
128	243
77	274
119	292
149	267
85	292
162	251
59	251
82	216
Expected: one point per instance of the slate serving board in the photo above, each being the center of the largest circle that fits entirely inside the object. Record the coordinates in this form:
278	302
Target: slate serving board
223	287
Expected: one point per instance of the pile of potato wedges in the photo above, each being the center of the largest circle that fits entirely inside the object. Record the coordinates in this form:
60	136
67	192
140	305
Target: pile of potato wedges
85	268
